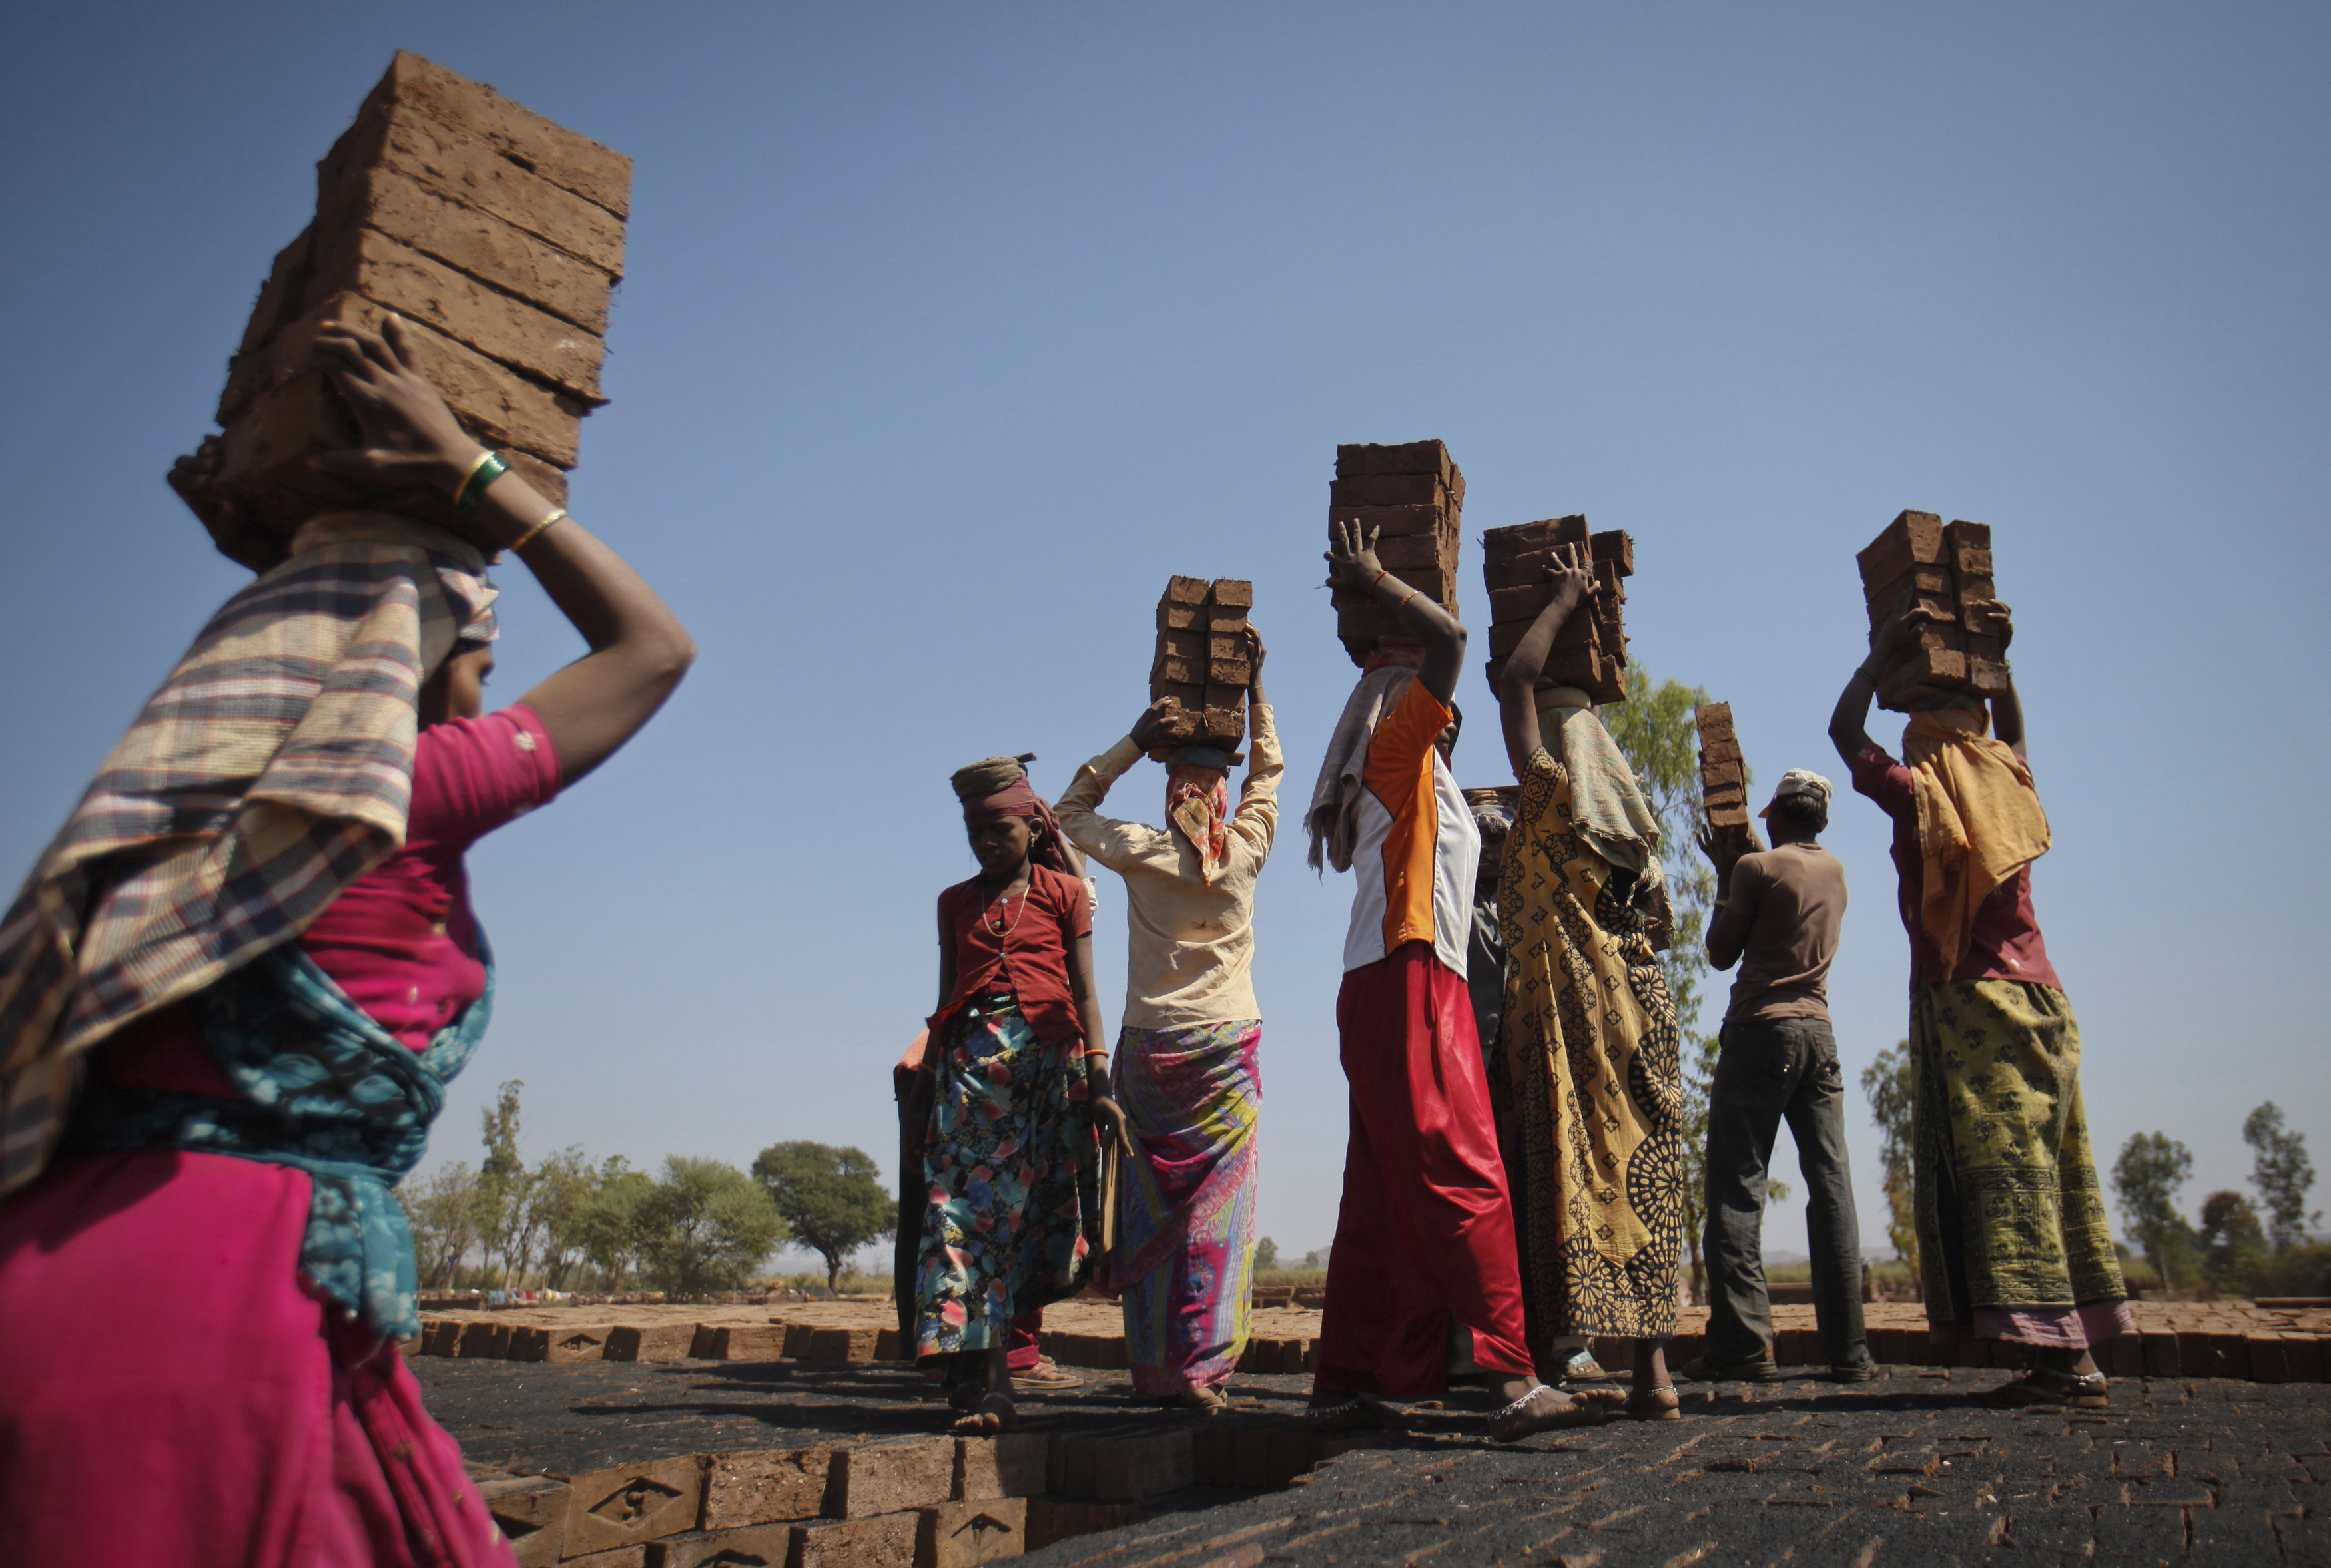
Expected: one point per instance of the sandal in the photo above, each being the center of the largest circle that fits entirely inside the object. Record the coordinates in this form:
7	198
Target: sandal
2043	1386
1045	1375
1655	1404
1206	1401
1522	1418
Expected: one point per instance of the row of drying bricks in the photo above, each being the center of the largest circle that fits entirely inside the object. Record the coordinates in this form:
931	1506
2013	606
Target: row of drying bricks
932	1502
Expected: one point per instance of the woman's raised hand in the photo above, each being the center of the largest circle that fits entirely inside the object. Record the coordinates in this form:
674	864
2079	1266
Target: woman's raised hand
1571	573
1351	558
410	437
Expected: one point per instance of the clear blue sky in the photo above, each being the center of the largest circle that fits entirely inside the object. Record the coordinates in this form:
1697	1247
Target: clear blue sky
951	330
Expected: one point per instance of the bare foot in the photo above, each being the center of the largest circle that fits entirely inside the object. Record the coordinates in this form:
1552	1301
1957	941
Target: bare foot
994	1413
1543	1408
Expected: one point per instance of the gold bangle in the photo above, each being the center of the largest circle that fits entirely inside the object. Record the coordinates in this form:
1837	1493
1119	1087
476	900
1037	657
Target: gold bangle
535	532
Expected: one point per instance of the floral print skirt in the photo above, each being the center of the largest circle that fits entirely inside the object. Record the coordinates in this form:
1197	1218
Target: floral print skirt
1011	1217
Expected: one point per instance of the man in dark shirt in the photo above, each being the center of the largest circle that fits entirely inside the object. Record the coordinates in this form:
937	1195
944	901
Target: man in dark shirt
1777	915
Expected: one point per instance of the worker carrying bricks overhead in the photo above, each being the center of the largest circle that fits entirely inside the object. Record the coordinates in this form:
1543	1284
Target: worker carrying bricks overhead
2013	1245
1586	1079
242	976
1424	1235
1188	1067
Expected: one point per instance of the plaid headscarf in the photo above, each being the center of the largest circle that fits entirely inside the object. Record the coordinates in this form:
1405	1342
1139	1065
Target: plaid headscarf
273	768
1198	801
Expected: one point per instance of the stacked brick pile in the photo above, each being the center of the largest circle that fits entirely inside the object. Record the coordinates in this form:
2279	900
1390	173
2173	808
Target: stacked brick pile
1723	778
1590	652
1204	664
1946	569
1413	495
496	234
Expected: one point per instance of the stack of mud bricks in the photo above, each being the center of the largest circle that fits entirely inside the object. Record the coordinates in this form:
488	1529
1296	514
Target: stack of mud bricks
1411	495
1203	663
497	234
1723	776
1590	652
1944	569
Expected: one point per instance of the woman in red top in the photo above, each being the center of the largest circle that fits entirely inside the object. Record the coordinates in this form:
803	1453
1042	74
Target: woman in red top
202	1289
1011	1160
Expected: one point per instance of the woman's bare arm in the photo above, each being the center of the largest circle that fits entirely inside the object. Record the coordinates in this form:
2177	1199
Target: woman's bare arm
1095	1061
1352	563
1518	682
639	649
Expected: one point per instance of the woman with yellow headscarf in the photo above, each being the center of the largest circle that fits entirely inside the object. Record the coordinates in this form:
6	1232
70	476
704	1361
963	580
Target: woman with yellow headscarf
2012	1243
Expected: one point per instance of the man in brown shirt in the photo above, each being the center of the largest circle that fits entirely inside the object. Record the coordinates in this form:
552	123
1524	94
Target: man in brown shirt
1777	915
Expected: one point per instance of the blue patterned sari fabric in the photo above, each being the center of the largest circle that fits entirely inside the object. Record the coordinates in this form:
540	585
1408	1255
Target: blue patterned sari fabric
325	1090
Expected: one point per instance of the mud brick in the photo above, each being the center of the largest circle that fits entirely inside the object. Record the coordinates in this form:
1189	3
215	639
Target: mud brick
1293	1450
1172	617
1712	718
1421	489
797	1337
1174	674
619	1557
1231	694
441	1337
1963	534
884	1478
1179	723
1211	1457
843	1346
527	1342
2162	1357
1731	815
1608	587
764	1487
1971	592
531	1511
2309	1361
1437	551
1226	621
1521	571
1911	539
754	1546
478	243
2123	1355
1581	666
1223	727
1971	563
566	158
1934	581
1937	635
1414	457
1615	546
1722	795
1012	1465
1578	636
2197	1354
739	1342
1889	1347
1500	545
1715	776
1522	603
960	1535
1050	1520
1191	590
576	1342
489	1340
889	1344
1235	593
284	297
1719	749
650	1341
430	153
632	1504
1987	676
1129	1468
1251	1459
1390	522
421	289
494	403
1173	643
1920	665
887	1542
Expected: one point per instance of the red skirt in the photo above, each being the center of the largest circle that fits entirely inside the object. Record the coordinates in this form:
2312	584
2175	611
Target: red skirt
1426	1235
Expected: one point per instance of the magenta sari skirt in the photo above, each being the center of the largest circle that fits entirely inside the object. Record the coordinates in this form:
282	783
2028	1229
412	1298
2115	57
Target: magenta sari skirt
170	1394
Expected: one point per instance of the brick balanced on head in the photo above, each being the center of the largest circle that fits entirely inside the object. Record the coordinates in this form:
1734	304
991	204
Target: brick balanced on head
1411	496
1204	664
496	234
1920	562
1590	652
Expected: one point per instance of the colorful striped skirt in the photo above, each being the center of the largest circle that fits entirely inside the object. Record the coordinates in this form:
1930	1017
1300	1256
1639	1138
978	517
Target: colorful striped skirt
1185	1206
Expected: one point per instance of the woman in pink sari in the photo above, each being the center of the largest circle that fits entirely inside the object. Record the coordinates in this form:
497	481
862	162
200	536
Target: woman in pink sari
231	995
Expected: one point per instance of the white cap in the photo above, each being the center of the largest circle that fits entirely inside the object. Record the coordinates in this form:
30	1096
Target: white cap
1800	781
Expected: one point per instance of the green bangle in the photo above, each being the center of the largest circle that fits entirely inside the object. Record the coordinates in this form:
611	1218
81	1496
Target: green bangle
484	472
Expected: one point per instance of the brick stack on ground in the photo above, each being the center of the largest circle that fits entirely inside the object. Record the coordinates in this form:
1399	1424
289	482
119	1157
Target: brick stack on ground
1204	664
495	232
1412	495
1723	779
1590	652
1944	568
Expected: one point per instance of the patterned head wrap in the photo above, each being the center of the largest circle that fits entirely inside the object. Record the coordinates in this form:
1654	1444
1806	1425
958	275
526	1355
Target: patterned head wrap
998	787
273	768
1198	801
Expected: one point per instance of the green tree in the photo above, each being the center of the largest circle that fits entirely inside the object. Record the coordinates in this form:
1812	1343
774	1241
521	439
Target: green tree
2146	1177
603	1228
1655	731
2281	1174
556	1190
444	1211
833	1200
1888	1083
705	1226
2231	1236
504	1183
1266	1255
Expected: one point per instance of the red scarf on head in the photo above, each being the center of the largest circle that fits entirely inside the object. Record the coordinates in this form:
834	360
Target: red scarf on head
1019	800
1198	801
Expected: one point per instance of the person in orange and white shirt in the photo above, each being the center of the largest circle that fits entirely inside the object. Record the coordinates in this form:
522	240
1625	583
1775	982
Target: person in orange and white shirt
1426	1233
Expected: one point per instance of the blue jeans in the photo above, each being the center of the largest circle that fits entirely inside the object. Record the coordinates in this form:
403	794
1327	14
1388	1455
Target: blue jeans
1768	1070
